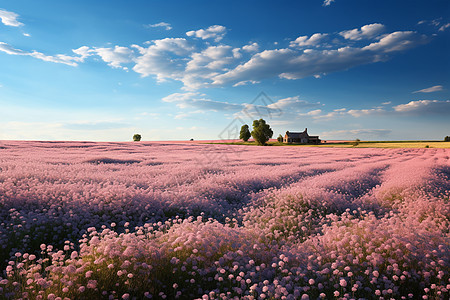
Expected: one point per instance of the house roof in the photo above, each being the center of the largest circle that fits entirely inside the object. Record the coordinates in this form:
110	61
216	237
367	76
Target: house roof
296	134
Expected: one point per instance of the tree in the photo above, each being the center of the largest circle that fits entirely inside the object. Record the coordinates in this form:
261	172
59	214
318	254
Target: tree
245	133
356	142
280	138
261	132
447	139
137	137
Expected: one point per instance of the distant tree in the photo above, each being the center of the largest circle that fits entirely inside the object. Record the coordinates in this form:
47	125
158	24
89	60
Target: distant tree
447	139
356	142
261	132
245	133
137	137
280	138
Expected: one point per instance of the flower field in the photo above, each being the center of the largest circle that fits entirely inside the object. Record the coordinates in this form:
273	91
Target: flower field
84	220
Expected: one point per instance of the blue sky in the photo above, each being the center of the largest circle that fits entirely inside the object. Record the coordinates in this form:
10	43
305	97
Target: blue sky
175	70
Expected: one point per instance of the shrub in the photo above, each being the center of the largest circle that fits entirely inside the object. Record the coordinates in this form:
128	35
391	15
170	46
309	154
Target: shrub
245	133
137	137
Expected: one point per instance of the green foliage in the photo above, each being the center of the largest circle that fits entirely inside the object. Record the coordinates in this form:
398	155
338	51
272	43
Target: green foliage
137	137
280	138
447	139
356	142
245	133
427	146
261	132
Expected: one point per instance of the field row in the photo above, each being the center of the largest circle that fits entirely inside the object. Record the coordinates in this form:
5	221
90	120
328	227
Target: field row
84	220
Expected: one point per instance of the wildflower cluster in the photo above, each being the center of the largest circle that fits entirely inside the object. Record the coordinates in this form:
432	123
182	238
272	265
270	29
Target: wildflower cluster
138	221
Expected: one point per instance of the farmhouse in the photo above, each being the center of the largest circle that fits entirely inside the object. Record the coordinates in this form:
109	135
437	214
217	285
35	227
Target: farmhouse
301	137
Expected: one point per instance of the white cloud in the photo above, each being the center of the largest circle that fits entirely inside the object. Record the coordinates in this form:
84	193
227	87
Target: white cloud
305	41
166	26
397	41
181	116
366	32
293	104
116	56
165	59
245	82
386	103
314	112
198	65
251	47
59	58
443	27
436	88
365	112
197	100
83	51
293	64
327	2
216	32
26	34
437	23
9	18
207	64
424	107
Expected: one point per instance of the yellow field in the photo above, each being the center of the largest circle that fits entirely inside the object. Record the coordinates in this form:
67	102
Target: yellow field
362	144
399	144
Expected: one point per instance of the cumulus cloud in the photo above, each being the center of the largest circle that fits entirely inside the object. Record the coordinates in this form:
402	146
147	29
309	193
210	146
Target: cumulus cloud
251	47
199	64
425	106
116	56
292	64
59	58
207	64
164	59
216	32
9	18
165	25
365	32
436	88
305	41
397	41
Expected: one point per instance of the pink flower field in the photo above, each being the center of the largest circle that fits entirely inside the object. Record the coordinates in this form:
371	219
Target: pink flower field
85	220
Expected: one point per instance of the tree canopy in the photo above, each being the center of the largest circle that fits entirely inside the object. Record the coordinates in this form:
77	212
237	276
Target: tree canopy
245	133
137	137
261	132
